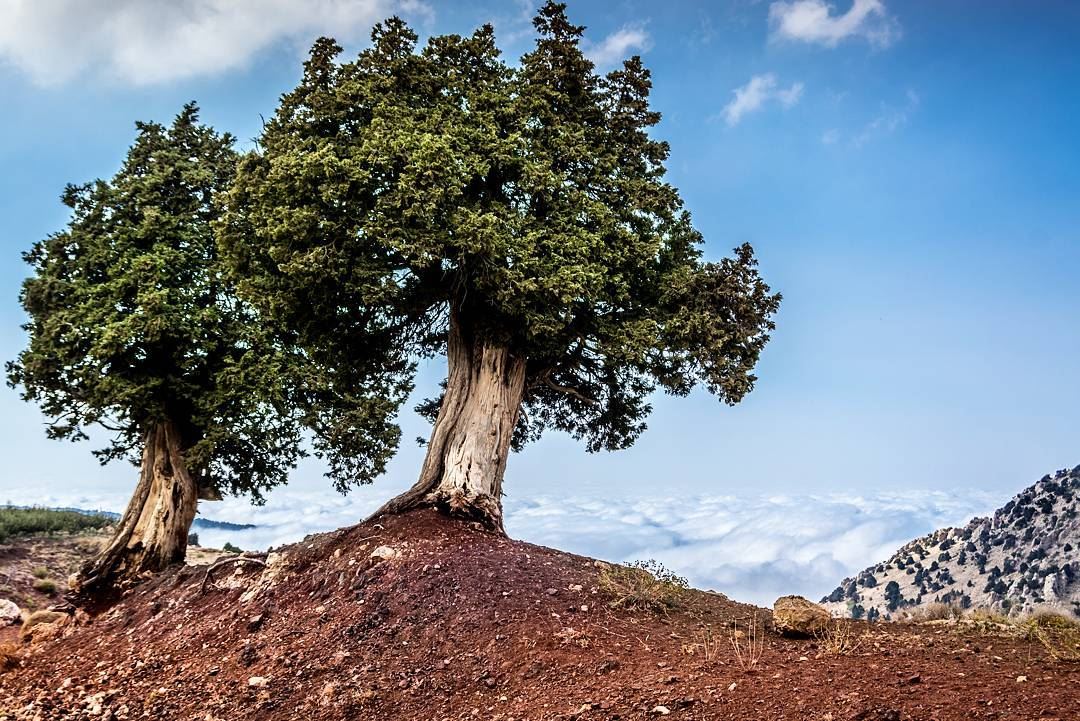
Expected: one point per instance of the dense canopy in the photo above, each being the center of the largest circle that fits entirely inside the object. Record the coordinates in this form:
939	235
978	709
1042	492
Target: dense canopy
426	200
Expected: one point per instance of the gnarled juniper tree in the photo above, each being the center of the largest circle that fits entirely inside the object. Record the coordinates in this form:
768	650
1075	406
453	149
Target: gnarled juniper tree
436	200
134	328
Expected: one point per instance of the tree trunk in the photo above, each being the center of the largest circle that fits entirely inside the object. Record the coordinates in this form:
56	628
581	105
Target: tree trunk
152	534
466	455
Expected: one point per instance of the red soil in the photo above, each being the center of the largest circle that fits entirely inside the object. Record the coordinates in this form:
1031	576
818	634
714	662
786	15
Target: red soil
462	624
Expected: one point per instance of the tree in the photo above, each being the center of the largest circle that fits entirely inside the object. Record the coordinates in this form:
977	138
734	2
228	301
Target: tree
436	200
133	328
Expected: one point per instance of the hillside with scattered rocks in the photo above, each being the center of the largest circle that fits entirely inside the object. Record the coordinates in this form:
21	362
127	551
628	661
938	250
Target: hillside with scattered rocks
421	617
1024	558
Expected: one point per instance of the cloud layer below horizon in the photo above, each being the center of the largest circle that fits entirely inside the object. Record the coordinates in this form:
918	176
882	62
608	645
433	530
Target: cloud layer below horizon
751	548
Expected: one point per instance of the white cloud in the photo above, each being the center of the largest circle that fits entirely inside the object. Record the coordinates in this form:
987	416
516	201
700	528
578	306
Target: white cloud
144	42
750	548
814	21
887	121
616	47
756	93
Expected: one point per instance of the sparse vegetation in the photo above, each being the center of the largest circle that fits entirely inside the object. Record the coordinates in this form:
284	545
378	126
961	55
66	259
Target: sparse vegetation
45	585
706	643
230	548
643	584
748	643
1058	634
41	572
840	639
36	521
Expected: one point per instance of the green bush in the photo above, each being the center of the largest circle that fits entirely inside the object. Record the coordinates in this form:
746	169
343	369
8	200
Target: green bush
230	548
34	521
45	585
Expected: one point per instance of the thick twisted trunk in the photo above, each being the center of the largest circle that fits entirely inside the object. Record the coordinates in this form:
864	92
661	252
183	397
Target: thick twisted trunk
152	534
466	455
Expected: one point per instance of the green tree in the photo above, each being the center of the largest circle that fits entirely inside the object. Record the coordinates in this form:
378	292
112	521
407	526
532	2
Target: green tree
134	328
421	201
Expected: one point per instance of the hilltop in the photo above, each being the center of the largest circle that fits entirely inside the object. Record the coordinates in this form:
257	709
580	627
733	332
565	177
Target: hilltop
1023	558
421	617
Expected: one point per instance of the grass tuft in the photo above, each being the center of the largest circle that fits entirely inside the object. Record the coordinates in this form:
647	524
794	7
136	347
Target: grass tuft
646	585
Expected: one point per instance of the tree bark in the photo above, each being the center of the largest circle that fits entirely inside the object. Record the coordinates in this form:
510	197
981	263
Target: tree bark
152	534
467	453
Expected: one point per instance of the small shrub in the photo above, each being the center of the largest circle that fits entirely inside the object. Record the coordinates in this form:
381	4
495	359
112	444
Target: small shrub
45	585
705	644
41	572
645	585
840	639
1058	634
748	644
230	548
936	612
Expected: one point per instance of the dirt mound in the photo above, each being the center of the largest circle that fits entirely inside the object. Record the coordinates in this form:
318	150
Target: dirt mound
424	618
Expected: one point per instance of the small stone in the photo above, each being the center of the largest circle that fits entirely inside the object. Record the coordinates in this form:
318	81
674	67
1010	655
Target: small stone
258	681
732	686
384	553
10	613
914	680
552	591
661	710
1021	679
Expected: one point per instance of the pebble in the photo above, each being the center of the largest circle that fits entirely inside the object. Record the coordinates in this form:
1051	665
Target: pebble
257	681
661	710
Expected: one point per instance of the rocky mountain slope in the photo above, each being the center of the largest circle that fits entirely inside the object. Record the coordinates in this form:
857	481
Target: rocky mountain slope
420	617
1025	557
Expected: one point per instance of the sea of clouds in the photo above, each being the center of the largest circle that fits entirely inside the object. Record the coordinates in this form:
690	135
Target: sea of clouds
752	548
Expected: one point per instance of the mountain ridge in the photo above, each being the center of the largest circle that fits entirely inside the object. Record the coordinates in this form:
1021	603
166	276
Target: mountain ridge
1022	558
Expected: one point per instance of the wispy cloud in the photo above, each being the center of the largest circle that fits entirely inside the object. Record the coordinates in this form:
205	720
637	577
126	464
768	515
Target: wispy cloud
816	21
888	120
753	96
619	45
144	42
752	548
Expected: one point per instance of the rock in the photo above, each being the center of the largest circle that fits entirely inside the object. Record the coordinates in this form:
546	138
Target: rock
33	627
10	613
384	553
661	710
258	681
1021	679
797	617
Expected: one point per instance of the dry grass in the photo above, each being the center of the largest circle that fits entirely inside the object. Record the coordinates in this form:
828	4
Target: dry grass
937	612
706	644
748	643
840	639
41	572
646	585
1058	634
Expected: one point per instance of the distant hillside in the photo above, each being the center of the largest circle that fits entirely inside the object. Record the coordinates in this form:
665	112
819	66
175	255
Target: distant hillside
1024	557
196	524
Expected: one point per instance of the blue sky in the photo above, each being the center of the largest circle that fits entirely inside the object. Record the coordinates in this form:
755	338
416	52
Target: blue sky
909	174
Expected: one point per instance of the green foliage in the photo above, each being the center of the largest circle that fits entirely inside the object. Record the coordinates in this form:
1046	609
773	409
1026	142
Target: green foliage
230	548
33	521
45	585
415	187
40	572
132	322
